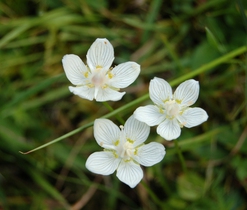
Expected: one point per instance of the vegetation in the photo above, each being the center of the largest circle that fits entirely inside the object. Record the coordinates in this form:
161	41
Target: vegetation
174	40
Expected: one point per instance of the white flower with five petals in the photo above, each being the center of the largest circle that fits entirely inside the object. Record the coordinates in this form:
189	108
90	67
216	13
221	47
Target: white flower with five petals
98	80
172	111
124	150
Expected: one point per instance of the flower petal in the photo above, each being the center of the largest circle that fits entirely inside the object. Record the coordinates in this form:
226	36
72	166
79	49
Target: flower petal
106	132
130	173
192	117
74	69
108	94
187	92
150	154
103	163
159	91
169	129
83	92
124	74
150	114
136	130
100	54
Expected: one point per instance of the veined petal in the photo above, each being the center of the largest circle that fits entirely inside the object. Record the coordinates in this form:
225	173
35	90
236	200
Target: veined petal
108	94
130	173
169	129
83	92
159	91
150	114
104	163
100	55
124	74
106	132
187	92
74	69
136	131
150	154
192	117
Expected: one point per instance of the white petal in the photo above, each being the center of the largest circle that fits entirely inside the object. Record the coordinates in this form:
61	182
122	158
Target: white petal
100	54
124	74
106	132
192	117
103	163
83	92
136	130
159	91
74	69
150	154
187	92
108	94
150	114
169	129
130	173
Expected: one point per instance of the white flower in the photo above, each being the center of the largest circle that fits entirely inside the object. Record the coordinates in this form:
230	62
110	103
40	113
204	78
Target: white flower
98	80
124	150
171	111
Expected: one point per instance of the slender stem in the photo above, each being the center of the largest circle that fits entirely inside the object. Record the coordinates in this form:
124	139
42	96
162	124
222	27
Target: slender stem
180	155
152	195
109	107
204	68
211	65
162	181
71	133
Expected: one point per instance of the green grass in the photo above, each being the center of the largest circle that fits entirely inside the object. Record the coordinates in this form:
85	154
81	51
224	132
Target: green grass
174	40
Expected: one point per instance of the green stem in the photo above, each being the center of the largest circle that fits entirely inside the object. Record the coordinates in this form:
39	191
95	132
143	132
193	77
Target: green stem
71	133
152	195
209	66
108	106
204	68
180	155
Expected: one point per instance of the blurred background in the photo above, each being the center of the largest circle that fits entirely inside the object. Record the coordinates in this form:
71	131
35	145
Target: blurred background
169	39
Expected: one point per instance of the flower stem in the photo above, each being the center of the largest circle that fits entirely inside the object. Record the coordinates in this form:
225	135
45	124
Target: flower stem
211	65
152	195
180	155
205	68
108	106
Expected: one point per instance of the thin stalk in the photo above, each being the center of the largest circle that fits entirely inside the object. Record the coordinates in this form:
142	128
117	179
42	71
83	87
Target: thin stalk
71	133
109	107
204	68
209	66
152	195
180	155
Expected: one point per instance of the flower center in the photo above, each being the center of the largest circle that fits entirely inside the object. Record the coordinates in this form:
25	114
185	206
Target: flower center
172	108
98	79
127	150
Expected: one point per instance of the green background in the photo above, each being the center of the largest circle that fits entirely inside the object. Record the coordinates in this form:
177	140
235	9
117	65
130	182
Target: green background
171	39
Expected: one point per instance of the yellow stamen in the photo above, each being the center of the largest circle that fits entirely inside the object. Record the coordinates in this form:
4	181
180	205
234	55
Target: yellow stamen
86	74
104	86
127	160
130	141
115	154
98	67
166	100
116	143
110	75
90	85
135	152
